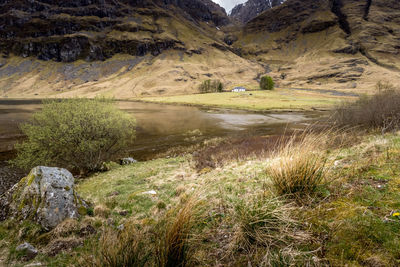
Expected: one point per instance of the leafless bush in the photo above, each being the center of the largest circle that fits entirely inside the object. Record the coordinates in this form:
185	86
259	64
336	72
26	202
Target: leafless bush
378	111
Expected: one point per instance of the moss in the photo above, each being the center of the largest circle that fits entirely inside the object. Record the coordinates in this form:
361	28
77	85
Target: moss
67	188
161	205
82	210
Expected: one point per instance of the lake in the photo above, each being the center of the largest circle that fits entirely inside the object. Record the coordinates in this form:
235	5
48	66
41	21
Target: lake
160	127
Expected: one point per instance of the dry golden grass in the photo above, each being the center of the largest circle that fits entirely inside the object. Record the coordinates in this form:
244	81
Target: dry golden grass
264	221
102	211
172	243
66	228
120	248
300	165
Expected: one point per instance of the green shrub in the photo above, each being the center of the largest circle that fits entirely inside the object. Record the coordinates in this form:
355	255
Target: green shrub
211	86
78	134
266	83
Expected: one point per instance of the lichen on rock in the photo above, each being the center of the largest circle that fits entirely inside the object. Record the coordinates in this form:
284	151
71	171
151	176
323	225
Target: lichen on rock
46	196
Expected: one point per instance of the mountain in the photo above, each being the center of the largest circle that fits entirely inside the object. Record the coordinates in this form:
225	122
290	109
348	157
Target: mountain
85	29
252	8
123	48
334	43
132	48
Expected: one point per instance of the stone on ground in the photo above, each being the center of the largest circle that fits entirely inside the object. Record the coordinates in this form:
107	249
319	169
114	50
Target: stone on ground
46	196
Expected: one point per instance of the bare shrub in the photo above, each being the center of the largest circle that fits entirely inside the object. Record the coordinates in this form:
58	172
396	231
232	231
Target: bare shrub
378	111
78	134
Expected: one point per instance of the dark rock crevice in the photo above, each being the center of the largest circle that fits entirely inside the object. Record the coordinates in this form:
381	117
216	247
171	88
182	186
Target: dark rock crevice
336	8
367	8
365	53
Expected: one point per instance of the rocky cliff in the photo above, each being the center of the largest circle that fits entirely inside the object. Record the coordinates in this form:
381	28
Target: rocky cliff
96	29
252	8
82	46
131	48
314	42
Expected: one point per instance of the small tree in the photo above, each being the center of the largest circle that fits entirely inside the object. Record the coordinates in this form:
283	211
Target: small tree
211	86
78	134
266	83
220	87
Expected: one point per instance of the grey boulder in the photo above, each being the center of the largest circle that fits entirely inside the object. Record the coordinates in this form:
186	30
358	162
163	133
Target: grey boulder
29	251
46	196
127	161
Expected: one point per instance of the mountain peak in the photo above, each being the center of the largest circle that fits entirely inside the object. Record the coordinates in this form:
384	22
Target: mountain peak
252	8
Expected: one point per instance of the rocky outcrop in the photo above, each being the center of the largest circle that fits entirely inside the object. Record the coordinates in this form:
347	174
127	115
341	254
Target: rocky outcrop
314	34
46	196
66	31
290	14
201	10
252	8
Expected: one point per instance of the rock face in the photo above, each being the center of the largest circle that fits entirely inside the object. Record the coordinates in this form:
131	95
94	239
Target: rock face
66	31
252	8
322	36
201	10
46	196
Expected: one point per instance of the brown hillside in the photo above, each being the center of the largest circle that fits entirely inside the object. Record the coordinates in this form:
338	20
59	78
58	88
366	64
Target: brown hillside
341	44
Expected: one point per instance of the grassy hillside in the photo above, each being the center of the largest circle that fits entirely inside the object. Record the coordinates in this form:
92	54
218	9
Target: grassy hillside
351	219
322	44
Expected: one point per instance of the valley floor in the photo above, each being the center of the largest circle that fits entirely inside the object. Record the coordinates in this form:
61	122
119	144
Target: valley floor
352	221
278	99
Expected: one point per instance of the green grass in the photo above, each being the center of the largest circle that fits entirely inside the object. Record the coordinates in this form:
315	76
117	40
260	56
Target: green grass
258	100
125	187
352	224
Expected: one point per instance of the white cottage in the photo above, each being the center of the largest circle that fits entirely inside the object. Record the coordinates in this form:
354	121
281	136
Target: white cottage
239	89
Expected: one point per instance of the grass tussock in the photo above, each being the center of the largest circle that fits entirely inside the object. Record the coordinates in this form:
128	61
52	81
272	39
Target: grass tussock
263	221
173	234
300	165
378	111
128	247
162	242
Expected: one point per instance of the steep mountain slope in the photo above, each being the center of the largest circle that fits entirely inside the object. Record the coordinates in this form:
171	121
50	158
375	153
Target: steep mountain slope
122	48
252	8
335	43
131	48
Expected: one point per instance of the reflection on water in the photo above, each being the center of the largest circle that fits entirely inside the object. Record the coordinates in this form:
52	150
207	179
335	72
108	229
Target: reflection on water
160	127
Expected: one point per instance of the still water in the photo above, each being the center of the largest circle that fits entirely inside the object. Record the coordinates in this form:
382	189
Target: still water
160	127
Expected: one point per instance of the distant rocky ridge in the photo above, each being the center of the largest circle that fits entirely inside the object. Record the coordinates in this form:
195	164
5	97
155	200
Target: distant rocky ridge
252	8
337	43
94	29
132	48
